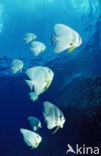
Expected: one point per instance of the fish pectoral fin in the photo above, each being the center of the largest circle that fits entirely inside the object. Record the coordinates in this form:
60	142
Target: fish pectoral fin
71	49
48	85
32	148
20	69
42	50
57	128
37	144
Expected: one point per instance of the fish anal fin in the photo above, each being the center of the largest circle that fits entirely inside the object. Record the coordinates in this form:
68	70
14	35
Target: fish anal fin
30	84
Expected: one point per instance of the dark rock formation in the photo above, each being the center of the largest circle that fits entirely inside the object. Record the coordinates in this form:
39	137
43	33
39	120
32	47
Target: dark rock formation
81	102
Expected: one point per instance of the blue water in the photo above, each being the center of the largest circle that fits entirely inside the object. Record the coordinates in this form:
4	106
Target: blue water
39	16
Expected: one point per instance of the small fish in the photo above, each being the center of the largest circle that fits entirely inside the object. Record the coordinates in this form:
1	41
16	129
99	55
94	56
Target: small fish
16	66
31	138
40	78
37	47
34	122
64	38
29	37
53	116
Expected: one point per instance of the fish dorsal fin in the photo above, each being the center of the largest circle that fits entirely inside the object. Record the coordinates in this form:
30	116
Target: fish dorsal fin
61	30
36	44
48	106
31	73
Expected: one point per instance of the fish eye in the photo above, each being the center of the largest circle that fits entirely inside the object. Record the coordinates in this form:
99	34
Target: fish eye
37	137
71	43
61	116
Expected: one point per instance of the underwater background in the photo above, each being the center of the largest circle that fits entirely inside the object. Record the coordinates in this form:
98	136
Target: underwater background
76	87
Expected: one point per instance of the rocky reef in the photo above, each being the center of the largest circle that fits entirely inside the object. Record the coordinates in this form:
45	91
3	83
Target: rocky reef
81	102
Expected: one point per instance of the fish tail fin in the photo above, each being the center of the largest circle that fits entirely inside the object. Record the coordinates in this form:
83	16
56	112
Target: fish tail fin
53	39
30	84
57	128
33	96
